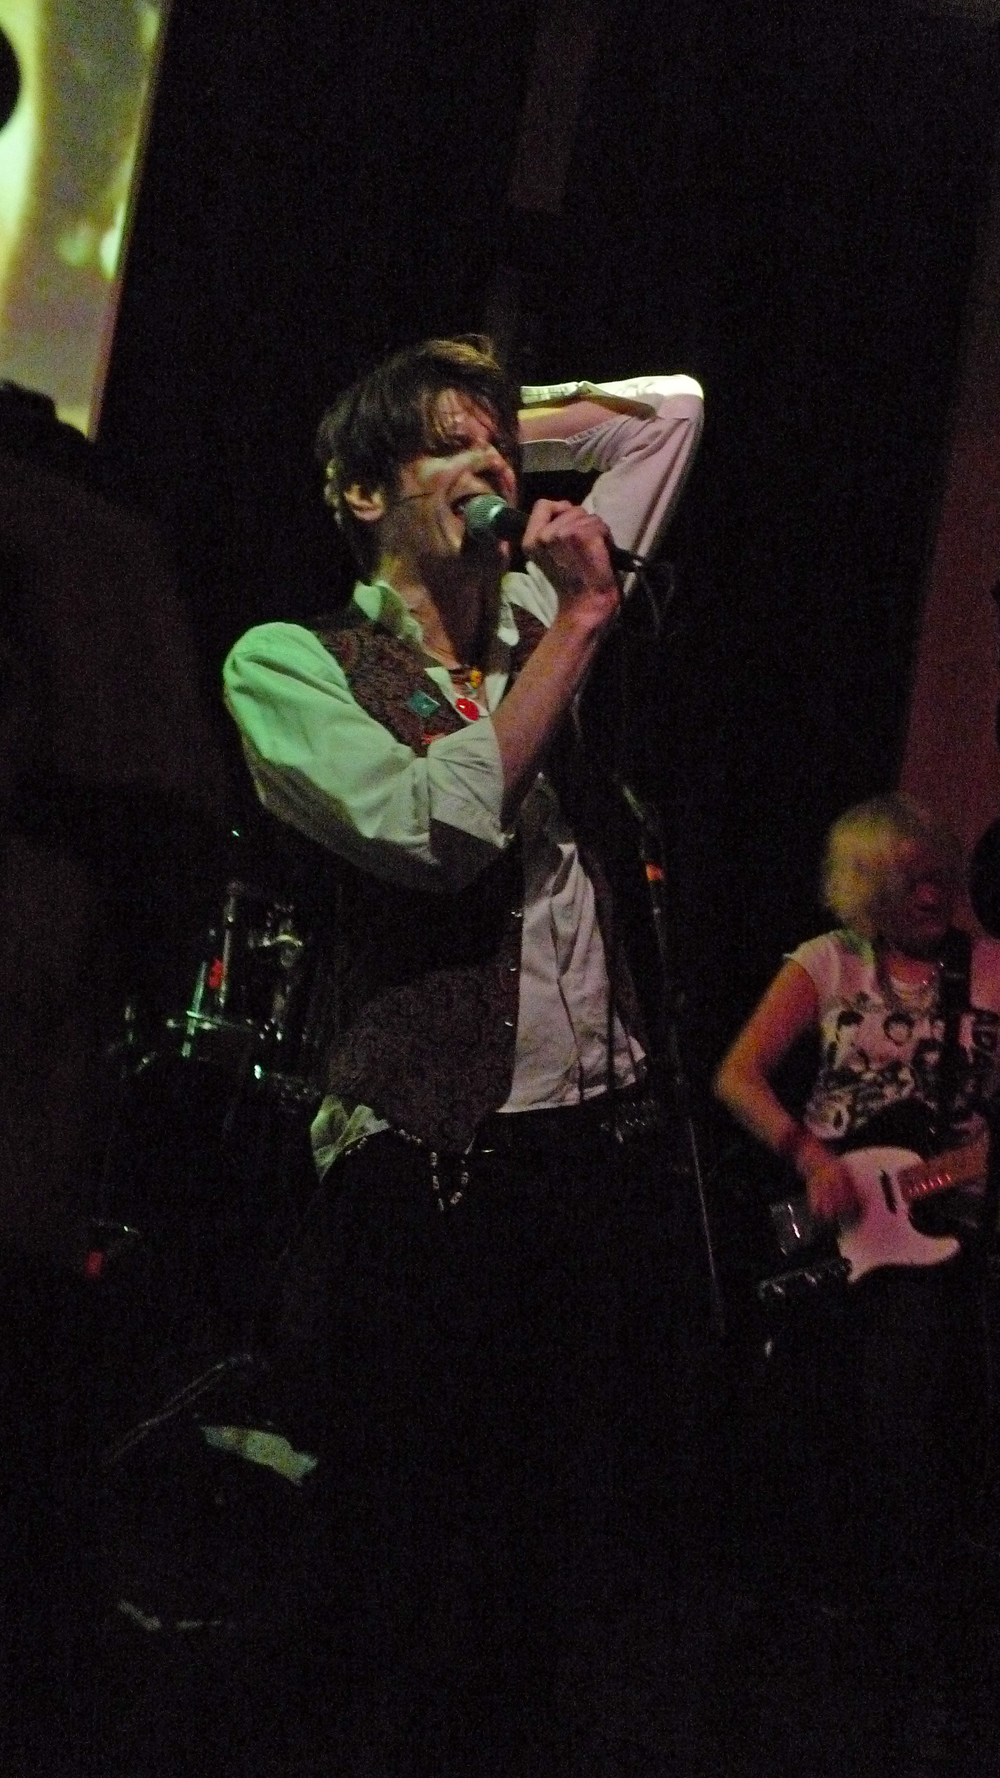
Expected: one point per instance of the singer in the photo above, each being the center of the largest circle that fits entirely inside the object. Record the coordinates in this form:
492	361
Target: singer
488	1392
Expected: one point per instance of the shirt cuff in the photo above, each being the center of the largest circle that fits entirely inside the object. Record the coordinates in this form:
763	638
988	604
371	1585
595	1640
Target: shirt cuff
641	396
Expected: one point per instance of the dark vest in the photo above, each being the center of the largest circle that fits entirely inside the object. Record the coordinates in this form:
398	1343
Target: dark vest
429	982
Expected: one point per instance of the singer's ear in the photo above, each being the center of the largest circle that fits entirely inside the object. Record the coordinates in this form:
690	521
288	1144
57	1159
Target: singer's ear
366	504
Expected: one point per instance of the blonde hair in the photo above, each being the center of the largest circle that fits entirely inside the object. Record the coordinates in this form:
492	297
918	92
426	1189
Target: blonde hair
863	867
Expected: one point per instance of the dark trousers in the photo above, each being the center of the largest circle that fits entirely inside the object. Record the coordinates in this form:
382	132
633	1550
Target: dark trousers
875	1403
488	1387
917	1370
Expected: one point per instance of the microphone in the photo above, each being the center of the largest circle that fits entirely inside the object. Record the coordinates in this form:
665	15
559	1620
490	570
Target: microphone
488	518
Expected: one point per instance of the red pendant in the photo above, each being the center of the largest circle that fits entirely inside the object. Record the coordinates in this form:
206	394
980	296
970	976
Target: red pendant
467	708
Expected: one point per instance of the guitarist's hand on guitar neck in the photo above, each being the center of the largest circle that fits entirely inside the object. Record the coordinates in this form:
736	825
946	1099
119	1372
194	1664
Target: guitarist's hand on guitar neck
830	1189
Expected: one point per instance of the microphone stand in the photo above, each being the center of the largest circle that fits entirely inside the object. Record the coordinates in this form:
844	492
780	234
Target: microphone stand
669	1067
675	1079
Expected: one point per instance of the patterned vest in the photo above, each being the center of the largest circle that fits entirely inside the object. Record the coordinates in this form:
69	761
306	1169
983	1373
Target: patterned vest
429	982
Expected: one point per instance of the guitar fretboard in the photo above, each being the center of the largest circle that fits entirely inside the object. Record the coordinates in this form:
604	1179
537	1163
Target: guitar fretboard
959	1167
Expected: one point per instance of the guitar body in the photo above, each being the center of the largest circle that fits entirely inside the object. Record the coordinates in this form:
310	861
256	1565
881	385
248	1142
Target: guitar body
891	1178
883	1233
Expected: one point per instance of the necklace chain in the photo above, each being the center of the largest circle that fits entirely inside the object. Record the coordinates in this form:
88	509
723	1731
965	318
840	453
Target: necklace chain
470	677
458	669
915	994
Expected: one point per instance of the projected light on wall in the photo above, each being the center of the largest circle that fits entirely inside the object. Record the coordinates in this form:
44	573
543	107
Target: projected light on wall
76	85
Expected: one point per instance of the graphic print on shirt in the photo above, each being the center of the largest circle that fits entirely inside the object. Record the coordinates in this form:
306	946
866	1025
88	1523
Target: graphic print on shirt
876	1055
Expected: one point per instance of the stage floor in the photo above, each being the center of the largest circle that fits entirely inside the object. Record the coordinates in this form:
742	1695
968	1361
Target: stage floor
724	1651
717	1682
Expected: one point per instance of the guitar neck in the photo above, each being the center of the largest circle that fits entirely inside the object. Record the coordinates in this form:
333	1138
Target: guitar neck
959	1166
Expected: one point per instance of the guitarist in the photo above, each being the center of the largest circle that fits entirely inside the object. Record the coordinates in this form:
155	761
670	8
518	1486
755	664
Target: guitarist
907	1038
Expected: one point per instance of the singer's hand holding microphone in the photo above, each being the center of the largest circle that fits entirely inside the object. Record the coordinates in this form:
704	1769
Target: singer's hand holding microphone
490	516
572	546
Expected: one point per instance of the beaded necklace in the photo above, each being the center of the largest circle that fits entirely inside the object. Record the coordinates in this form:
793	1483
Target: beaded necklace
910	996
468	682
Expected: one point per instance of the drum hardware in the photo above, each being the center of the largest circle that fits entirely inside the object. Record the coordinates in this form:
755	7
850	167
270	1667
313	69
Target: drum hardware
260	1002
234	999
207	1166
291	1089
280	938
209	1099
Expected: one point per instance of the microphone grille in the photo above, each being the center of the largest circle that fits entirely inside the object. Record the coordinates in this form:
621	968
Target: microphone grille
481	514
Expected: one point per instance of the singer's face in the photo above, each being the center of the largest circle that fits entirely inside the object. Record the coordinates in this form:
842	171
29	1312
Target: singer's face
423	519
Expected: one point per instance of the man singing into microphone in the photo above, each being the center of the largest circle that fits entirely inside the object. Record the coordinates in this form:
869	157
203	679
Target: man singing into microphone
490	1214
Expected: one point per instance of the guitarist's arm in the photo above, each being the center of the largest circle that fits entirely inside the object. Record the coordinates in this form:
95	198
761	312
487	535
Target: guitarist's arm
787	1009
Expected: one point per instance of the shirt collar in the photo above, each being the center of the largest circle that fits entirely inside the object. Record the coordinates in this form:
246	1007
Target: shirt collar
382	604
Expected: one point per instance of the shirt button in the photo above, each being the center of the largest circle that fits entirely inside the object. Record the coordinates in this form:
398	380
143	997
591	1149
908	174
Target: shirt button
517	913
509	1024
513	968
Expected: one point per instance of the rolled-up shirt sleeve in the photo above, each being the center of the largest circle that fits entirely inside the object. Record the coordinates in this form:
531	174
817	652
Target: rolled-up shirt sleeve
322	764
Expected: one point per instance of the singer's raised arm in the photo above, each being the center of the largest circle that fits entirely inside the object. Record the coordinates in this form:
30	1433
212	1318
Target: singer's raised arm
639	435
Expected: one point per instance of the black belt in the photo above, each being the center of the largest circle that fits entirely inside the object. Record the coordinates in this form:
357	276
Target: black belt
612	1117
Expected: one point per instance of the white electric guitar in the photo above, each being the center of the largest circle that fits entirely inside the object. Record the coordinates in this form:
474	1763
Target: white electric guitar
888	1182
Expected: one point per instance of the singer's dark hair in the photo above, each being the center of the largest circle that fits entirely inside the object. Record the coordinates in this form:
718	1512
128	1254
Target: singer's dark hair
387	417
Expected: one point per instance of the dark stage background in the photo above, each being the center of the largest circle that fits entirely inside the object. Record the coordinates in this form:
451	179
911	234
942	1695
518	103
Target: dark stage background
780	200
